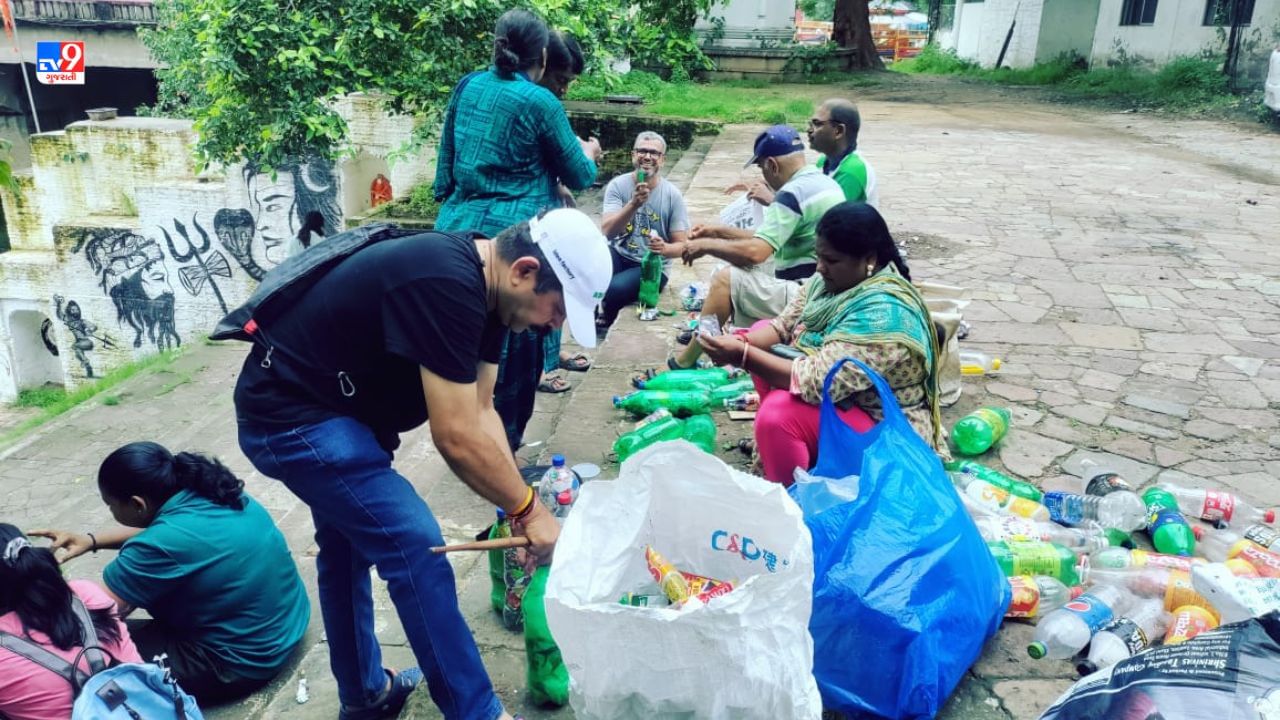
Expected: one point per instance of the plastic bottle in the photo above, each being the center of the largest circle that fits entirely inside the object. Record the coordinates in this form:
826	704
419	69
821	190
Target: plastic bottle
498	586
729	391
1120	558
701	431
1119	498
681	403
1065	631
1173	587
746	402
673	584
1110	511
1223	545
1217	505
993	499
1039	558
1038	595
1170	533
546	676
1021	488
978	431
1125	636
559	488
1089	539
689	379
650	277
663	428
976	362
1188	622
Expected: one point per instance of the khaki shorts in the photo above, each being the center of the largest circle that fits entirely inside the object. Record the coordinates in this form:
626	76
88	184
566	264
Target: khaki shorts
757	295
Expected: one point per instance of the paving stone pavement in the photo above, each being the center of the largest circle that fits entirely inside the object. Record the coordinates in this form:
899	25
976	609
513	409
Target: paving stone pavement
1124	268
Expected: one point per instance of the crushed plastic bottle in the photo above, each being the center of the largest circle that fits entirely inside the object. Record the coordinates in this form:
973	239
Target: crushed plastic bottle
1125	636
976	362
1038	595
1217	506
1173	587
1066	631
1225	545
980	430
558	489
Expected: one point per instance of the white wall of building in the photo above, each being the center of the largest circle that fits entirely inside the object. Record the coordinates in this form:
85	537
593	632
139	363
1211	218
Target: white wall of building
981	27
1178	30
1066	26
746	22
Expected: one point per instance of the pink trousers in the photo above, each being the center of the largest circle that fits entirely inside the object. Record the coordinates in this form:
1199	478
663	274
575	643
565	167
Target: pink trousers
786	429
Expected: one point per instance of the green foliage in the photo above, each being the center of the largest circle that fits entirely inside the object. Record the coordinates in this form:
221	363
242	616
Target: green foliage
818	9
40	397
422	201
260	78
810	59
7	180
933	60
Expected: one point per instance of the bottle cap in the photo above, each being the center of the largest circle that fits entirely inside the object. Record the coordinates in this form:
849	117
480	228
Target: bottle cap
639	385
617	400
502	515
1198	532
1076	591
1269	517
557	461
996	363
1037	650
1086	667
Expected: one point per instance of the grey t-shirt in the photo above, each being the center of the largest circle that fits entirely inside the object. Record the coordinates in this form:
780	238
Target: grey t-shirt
664	212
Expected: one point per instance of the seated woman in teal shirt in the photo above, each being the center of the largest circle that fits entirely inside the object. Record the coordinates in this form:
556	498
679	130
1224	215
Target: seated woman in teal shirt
205	561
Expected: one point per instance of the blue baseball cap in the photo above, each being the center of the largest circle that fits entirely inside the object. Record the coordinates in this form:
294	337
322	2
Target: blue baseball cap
777	141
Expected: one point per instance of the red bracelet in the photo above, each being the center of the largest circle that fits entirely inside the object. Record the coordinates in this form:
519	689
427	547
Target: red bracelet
525	508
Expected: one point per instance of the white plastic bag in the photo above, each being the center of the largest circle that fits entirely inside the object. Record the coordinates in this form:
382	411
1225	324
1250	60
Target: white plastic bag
742	213
747	654
946	306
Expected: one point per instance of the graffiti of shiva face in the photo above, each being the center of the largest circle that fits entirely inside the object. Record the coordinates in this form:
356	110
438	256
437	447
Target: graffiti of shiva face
275	210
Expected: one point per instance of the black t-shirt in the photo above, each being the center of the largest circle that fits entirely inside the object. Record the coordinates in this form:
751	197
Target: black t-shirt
355	340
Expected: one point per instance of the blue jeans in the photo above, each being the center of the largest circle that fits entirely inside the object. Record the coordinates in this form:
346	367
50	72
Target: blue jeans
366	514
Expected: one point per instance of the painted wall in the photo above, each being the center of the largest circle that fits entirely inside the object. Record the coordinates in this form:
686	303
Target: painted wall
747	21
1177	31
1067	26
121	249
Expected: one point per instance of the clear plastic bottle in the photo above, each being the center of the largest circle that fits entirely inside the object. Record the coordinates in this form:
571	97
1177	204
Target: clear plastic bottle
1110	511
1125	636
1021	488
558	488
1039	558
1065	631
1217	506
993	499
1088	539
1038	595
976	362
1223	545
1172	587
1120	558
1120	500
981	429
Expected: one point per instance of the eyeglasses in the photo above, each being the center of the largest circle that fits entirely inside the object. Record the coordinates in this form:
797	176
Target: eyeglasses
646	152
815	123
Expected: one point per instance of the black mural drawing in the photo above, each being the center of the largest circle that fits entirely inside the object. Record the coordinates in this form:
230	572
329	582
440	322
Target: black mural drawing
261	237
46	334
134	275
207	266
82	330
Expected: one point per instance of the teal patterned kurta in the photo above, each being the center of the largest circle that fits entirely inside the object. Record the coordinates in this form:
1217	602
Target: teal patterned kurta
510	141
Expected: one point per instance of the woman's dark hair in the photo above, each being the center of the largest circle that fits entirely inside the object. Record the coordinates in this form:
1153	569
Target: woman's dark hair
564	53
857	229
150	471
518	41
32	586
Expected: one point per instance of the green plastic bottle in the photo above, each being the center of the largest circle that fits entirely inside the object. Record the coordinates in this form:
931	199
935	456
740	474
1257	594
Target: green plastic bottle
701	431
498	584
1170	533
689	379
664	428
681	403
545	673
978	431
731	391
650	279
1036	558
1013	486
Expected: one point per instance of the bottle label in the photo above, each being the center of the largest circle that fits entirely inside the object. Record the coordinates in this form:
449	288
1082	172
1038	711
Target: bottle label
1091	610
993	418
1263	535
1026	597
1161	517
1023	507
1264	561
1189	622
1036	559
1142	558
1181	593
1133	636
1105	484
1218	506
986	494
1064	507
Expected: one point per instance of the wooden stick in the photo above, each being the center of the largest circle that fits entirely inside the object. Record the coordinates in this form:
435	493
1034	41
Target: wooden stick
494	544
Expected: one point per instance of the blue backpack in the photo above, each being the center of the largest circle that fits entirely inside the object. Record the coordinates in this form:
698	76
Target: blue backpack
123	691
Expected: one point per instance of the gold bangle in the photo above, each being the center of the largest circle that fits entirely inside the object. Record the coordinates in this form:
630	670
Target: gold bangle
525	507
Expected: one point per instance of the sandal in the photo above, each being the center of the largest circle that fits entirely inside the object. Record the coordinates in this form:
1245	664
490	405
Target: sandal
402	684
685	337
554	385
577	363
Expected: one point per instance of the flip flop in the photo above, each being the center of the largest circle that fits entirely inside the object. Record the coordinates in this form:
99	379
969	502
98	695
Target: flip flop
554	385
577	363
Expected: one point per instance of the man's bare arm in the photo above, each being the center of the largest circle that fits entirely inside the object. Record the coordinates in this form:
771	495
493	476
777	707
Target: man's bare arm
743	253
482	462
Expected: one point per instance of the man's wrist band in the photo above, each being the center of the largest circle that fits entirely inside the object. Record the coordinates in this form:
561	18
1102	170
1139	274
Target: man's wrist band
94	546
525	508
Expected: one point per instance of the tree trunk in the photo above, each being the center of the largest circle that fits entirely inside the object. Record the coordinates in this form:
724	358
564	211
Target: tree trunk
853	30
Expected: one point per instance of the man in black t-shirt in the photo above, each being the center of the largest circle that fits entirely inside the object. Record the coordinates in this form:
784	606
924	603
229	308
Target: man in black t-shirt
398	322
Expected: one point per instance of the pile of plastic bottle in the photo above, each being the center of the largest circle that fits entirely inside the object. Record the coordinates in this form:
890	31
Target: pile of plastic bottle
677	404
673	587
1095	597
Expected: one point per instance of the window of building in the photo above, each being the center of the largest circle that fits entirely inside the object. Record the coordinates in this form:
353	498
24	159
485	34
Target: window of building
1138	12
1218	12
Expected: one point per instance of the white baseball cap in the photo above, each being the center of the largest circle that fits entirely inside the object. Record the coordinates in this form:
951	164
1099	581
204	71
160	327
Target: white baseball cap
580	257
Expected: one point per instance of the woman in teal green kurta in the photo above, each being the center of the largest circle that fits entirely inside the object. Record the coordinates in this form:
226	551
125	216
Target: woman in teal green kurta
505	142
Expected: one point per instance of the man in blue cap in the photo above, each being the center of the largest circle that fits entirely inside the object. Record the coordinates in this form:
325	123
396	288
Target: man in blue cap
765	263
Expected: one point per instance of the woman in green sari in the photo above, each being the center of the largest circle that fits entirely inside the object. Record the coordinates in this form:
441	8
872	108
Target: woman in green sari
860	304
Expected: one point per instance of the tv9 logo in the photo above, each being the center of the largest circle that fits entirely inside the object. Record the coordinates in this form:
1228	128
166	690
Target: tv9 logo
60	62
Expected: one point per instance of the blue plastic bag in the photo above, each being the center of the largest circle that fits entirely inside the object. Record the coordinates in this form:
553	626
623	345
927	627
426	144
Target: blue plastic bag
905	591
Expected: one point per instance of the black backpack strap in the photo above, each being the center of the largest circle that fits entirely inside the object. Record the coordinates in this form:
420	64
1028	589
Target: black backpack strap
92	652
43	658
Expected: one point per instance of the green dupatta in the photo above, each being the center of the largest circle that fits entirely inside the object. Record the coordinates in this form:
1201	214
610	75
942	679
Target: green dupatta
884	308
